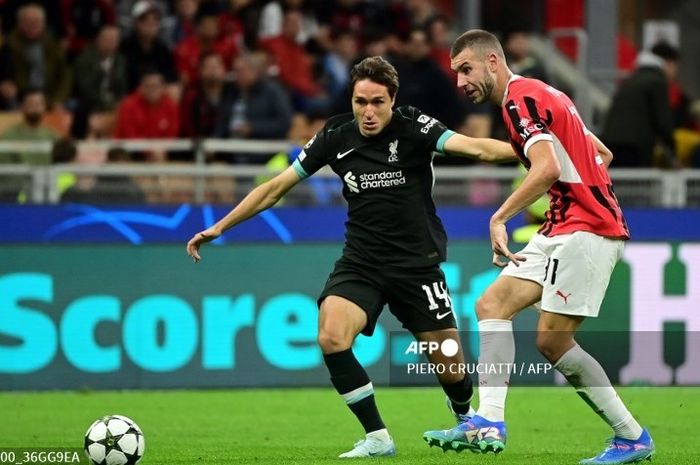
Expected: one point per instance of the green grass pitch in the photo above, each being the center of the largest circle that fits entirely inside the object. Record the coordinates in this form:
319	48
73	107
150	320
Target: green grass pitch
312	426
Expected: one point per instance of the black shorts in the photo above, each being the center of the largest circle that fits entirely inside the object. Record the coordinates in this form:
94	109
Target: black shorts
418	297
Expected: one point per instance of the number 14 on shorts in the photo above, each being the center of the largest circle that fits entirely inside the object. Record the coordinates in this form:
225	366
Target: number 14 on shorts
438	290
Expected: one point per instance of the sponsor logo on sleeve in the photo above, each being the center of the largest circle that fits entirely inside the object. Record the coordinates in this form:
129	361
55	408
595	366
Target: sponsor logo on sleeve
530	128
425	129
310	142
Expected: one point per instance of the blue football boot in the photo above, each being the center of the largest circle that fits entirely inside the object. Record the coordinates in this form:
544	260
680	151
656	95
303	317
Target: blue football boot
476	435
621	451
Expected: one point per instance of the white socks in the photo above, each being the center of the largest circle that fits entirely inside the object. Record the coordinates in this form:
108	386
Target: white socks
496	355
586	375
381	434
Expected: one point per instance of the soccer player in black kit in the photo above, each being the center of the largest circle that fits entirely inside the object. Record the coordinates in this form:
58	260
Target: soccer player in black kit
394	240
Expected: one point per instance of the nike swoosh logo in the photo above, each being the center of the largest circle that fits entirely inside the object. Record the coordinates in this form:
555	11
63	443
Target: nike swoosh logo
341	155
380	454
440	316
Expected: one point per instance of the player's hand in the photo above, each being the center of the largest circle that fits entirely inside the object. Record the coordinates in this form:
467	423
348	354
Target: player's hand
499	245
200	238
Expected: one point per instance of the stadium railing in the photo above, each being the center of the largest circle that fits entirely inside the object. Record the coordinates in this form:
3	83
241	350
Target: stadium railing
200	182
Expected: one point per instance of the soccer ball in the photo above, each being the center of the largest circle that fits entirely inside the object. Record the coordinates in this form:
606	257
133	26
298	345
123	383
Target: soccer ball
114	440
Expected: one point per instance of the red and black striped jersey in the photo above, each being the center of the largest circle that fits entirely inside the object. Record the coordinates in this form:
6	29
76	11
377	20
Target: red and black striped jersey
582	199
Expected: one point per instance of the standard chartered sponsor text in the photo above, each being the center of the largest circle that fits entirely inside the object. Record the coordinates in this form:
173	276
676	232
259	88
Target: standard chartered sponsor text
382	179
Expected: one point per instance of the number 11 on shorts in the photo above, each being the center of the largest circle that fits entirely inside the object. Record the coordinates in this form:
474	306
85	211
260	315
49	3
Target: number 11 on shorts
555	264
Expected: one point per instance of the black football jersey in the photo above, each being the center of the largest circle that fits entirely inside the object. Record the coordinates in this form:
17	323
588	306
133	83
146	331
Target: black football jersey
387	182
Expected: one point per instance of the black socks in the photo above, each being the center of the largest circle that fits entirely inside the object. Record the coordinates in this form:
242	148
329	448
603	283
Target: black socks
351	382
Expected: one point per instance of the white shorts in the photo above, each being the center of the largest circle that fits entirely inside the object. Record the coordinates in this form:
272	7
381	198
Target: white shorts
573	269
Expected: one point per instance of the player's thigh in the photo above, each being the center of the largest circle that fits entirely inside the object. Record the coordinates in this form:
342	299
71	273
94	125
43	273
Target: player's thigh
532	269
351	301
577	273
506	297
517	287
339	316
419	298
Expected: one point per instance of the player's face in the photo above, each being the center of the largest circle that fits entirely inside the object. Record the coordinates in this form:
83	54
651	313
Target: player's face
475	77
371	105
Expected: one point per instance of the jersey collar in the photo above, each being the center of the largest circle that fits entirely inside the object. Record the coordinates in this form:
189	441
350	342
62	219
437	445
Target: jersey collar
513	77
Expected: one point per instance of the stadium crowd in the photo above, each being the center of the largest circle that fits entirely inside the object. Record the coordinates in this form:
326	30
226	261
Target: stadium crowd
266	69
216	68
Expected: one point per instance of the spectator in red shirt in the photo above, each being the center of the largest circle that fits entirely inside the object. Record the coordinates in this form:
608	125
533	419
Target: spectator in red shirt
239	21
148	113
295	64
205	40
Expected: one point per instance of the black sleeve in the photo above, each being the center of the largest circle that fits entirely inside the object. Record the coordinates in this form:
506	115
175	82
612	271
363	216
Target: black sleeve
425	131
314	156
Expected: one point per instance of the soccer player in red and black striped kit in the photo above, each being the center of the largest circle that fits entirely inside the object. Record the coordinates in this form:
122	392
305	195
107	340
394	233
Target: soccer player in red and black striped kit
564	270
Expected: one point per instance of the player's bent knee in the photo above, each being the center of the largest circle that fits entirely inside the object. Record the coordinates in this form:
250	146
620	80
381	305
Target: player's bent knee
545	349
339	322
331	341
487	308
550	346
334	335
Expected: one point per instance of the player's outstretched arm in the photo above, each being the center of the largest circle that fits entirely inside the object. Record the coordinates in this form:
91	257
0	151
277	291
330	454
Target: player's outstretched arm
605	154
261	198
488	150
544	171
